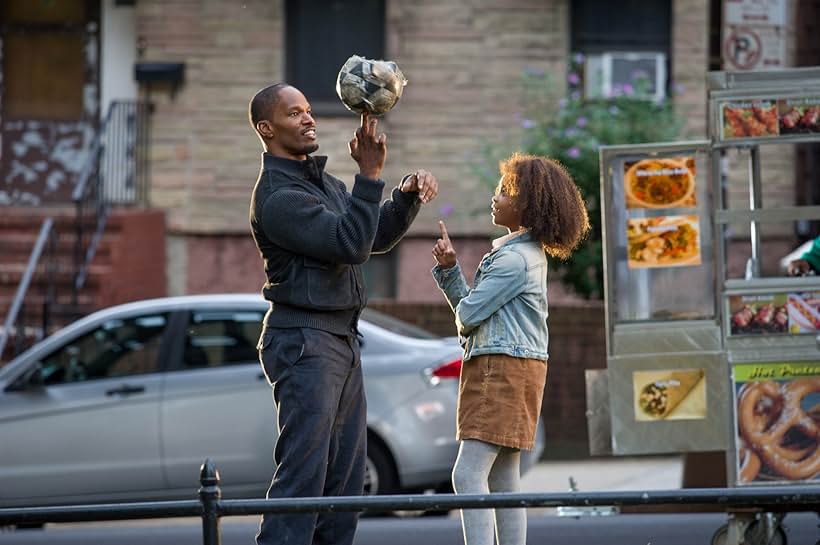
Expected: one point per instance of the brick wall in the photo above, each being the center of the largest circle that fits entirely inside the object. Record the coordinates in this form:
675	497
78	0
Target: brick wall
459	57
689	62
136	257
463	60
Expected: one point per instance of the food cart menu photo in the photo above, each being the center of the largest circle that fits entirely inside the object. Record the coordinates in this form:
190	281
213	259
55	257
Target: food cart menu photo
678	394
665	182
770	118
780	313
664	241
778	414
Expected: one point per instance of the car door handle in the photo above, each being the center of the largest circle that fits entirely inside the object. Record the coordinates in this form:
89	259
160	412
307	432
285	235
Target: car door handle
125	390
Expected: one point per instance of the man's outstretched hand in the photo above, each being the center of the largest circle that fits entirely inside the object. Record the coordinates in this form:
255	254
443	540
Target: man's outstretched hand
367	149
424	183
443	251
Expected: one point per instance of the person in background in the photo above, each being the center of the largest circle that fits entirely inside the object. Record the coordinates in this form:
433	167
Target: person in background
502	324
313	235
808	262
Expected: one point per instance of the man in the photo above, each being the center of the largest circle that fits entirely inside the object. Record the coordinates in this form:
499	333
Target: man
313	236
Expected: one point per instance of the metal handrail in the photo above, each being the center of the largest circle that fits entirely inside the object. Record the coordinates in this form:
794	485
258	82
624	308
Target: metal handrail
46	233
115	171
211	507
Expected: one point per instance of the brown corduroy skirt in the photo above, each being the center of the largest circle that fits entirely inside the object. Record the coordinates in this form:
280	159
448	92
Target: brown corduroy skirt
499	399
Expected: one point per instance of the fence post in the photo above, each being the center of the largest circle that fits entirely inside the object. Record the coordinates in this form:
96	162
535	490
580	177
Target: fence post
209	495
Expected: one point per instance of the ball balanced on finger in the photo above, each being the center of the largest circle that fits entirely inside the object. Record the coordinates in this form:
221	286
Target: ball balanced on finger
369	86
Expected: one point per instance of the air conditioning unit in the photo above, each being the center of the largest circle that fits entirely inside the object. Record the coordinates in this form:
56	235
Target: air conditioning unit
607	73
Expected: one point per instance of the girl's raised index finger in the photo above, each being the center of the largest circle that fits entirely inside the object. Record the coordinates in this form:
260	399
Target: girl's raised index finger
443	229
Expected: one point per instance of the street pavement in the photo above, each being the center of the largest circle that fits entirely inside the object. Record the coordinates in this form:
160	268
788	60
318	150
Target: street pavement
606	474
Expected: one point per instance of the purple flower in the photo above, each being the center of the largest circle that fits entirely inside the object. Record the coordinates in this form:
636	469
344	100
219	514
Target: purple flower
574	152
614	110
562	103
446	210
527	123
578	58
628	89
573	78
575	95
570	132
581	122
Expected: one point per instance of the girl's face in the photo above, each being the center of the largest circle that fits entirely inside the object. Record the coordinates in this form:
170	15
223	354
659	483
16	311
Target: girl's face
504	210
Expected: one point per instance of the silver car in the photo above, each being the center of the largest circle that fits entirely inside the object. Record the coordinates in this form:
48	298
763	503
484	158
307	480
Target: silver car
126	403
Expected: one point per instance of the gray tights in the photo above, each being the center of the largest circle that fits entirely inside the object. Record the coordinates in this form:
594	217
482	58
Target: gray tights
481	468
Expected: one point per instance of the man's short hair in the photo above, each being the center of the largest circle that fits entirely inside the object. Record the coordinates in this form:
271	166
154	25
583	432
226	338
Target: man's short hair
263	102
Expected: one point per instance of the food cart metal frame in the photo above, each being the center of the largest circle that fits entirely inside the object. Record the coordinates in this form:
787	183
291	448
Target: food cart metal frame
677	346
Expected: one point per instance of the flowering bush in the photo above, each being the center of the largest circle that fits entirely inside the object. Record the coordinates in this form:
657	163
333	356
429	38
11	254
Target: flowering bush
570	130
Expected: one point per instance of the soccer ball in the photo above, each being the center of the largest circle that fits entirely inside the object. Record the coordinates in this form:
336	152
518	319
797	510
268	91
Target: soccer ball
370	86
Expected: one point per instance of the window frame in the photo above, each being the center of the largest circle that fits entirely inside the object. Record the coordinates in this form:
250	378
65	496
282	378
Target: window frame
297	54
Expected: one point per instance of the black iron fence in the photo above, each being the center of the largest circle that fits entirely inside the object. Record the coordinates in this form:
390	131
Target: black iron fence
211	507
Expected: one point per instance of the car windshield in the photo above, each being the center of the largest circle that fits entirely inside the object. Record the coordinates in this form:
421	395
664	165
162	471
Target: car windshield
395	325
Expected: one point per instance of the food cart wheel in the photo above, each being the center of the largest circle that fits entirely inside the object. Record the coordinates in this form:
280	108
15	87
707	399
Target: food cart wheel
753	535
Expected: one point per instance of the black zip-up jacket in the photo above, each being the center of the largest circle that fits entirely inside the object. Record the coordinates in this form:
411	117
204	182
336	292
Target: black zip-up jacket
314	235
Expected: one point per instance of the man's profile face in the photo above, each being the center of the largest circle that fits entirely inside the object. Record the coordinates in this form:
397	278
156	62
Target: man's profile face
293	126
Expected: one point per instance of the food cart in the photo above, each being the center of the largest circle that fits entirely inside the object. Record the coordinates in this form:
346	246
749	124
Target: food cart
709	347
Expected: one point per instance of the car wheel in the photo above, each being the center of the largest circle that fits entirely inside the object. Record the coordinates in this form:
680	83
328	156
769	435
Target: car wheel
380	474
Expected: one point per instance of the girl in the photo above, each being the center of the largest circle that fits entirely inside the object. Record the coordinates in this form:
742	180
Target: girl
502	324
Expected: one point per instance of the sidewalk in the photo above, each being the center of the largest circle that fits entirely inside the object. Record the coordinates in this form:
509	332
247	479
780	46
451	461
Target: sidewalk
606	474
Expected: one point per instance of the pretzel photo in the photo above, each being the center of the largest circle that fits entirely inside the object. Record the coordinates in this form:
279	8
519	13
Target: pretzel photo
775	427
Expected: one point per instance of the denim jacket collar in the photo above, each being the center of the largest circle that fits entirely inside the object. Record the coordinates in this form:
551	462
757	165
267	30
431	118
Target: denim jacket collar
512	238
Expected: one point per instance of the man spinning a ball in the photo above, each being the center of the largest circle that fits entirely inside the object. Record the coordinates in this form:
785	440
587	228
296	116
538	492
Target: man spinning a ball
313	235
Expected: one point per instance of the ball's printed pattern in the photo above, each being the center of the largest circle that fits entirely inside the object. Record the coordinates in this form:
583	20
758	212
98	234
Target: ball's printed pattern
370	86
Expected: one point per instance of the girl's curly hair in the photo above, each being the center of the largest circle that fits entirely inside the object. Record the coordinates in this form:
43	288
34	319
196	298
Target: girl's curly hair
550	203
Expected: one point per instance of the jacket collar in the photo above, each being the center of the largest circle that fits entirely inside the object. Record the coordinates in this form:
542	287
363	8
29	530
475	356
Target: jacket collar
522	235
312	168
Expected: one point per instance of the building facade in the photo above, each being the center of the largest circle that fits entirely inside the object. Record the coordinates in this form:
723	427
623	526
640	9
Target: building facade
463	59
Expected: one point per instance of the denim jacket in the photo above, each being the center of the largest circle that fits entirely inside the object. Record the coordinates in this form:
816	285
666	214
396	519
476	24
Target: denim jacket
506	311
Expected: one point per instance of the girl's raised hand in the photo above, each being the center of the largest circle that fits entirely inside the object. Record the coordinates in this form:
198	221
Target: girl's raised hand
443	251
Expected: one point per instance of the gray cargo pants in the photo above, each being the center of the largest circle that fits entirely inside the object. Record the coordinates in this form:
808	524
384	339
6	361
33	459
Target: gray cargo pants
322	417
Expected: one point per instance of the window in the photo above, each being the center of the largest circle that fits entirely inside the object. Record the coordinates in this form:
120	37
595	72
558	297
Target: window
119	347
620	39
43	59
217	338
320	36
